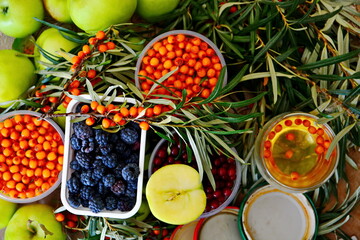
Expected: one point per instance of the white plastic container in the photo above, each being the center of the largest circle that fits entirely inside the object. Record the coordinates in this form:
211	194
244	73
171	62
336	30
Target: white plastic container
268	213
175	32
57	183
69	154
227	201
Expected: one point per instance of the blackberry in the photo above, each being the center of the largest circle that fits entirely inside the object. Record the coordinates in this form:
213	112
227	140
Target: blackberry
110	160
114	138
74	200
111	203
75	142
119	187
105	150
87	179
130	193
73	184
134	126
88	145
84	202
102	189
109	180
74	164
130	172
87	193
118	169
102	137
126	204
136	146
98	172
122	149
83	159
133	158
82	130
132	184
98	162
129	135
96	204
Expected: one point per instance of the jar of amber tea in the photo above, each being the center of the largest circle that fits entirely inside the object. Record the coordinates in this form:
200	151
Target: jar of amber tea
291	149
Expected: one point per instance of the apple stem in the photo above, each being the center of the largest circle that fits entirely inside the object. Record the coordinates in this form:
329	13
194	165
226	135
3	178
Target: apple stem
172	197
5	10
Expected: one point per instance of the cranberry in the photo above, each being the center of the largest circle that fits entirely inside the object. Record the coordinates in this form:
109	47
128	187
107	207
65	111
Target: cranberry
217	162
209	189
170	159
217	194
221	199
178	162
227	192
174	150
222	171
214	204
157	161
209	196
222	158
231	172
184	156
230	184
162	153
231	161
214	171
136	146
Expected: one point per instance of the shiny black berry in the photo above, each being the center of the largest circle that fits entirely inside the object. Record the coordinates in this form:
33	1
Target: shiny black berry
130	172
129	135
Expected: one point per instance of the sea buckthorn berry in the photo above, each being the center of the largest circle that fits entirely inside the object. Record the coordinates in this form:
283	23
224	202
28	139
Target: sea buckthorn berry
85	109
294	176
117	117
306	123
102	48
94	105
319	149
157	109
92	41
298	121
100	35
144	125
180	37
86	49
101	109
267	144
60	217
312	130
133	111
75	60
289	154
106	123
110	45
91	73
124	112
320	131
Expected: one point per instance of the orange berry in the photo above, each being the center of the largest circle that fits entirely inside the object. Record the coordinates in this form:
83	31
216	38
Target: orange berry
124	111
59	217
110	45
100	35
85	109
294	176
6	143
92	40
51	156
94	105
8	123
75	60
117	117
144	125
157	109
102	48
133	111
106	123
86	49
91	74
101	109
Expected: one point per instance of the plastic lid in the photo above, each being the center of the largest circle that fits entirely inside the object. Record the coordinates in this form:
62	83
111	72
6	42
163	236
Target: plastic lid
281	215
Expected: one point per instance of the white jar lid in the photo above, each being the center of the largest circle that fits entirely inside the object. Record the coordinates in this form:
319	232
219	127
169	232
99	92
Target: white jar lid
270	213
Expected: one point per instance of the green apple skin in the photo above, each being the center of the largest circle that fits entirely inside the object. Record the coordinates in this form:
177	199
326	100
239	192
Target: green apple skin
94	15
17	17
135	43
152	10
58	10
17	228
51	41
7	210
60	120
17	74
143	211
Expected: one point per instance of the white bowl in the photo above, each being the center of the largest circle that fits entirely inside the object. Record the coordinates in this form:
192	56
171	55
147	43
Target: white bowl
226	203
57	183
67	171
175	32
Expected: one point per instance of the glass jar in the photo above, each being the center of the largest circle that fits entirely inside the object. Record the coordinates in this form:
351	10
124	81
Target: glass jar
290	152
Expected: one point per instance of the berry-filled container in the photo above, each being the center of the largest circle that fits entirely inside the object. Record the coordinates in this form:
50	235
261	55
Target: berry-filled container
31	158
103	171
198	60
226	171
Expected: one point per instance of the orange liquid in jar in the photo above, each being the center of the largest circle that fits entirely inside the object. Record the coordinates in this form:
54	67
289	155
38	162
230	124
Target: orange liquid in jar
295	150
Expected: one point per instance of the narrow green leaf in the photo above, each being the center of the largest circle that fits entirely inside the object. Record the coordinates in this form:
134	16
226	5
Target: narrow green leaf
56	27
240	118
314	95
274	81
232	46
286	54
334	77
165	137
270	43
219	85
163	78
329	61
135	90
322	17
229	132
92	93
337	138
241	103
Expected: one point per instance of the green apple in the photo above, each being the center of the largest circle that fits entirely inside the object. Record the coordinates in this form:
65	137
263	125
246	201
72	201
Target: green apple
60	120
175	194
58	10
7	210
93	15
51	41
34	221
143	211
17	17
153	10
17	74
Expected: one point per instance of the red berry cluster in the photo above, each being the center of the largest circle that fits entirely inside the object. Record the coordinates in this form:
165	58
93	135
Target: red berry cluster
70	220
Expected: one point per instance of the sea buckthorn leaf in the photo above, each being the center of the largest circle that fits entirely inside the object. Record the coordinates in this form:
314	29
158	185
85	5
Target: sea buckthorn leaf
337	138
232	46
242	103
322	17
235	81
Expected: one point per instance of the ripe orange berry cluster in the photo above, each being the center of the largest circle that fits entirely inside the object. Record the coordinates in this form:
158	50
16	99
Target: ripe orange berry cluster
198	66
69	219
75	88
31	156
121	115
98	43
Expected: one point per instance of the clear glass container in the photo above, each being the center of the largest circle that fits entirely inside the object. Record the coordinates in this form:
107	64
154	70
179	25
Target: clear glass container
290	152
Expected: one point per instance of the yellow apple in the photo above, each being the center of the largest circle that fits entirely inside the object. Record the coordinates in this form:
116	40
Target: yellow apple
153	10
7	210
175	194
58	10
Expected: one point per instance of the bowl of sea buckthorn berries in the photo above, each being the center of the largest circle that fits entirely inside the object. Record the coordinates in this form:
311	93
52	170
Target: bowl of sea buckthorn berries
31	156
180	60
